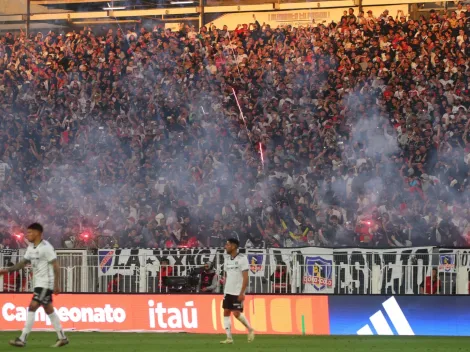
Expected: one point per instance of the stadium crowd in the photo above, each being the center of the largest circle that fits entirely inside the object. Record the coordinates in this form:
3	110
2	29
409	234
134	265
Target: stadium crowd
352	133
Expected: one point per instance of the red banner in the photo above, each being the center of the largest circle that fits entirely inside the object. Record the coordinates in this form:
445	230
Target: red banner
175	313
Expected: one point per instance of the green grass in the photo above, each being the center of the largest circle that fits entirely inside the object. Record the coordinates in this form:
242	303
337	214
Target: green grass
132	342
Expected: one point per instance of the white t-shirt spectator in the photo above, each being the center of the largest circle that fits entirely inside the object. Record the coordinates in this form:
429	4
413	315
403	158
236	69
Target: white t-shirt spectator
446	82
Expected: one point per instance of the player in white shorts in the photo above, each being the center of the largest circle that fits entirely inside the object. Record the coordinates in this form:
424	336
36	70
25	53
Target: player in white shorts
41	255
236	267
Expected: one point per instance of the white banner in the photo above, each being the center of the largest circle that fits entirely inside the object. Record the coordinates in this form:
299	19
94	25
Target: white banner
183	260
277	255
9	256
463	257
127	261
396	266
400	270
318	270
405	269
257	259
312	267
353	270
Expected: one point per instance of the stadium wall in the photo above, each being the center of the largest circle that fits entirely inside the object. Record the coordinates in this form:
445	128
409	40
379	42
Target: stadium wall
269	314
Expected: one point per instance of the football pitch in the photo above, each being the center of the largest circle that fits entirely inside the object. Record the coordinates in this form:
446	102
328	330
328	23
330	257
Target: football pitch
133	342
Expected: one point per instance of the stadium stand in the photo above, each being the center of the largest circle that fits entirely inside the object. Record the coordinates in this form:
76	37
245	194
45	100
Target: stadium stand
352	133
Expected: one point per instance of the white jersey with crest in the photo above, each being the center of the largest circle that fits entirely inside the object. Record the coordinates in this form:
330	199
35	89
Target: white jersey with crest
234	267
41	257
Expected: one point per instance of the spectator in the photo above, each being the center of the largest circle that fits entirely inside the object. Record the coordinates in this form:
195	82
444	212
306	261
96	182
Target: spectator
208	279
280	279
114	285
165	271
216	236
432	284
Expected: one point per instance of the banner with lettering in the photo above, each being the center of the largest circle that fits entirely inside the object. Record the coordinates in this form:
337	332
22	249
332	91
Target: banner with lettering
310	269
128	261
182	260
402	270
462	257
9	256
353	270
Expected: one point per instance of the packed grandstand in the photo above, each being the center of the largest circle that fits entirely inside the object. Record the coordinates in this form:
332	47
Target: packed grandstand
351	133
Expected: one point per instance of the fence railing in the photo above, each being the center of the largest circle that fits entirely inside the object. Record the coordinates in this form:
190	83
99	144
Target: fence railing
88	273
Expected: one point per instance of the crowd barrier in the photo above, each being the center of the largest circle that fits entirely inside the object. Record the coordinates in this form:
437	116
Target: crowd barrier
309	270
269	314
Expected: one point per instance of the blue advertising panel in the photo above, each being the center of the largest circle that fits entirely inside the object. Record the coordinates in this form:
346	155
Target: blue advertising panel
400	315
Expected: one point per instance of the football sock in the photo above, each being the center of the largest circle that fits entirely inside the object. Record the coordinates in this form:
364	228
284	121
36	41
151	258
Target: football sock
228	327
245	322
57	326
28	326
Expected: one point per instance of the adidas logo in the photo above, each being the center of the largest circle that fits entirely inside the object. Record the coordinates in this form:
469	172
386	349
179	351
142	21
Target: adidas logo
380	324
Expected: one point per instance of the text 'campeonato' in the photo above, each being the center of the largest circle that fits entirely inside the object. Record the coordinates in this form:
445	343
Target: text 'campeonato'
159	315
107	314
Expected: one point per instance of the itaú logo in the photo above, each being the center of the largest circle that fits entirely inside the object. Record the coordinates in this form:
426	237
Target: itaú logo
172	318
107	314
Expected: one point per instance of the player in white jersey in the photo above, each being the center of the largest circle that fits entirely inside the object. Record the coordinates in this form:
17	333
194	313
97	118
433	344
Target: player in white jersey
236	267
41	255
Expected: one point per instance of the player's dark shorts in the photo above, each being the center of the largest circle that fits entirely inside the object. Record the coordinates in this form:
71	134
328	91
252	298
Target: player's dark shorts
42	295
231	303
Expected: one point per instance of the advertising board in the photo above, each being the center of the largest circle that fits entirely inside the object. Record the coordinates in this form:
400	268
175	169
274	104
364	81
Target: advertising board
170	313
431	315
268	314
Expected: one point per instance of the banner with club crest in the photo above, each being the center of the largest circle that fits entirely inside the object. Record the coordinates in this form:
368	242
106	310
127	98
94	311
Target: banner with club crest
183	260
349	270
311	269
